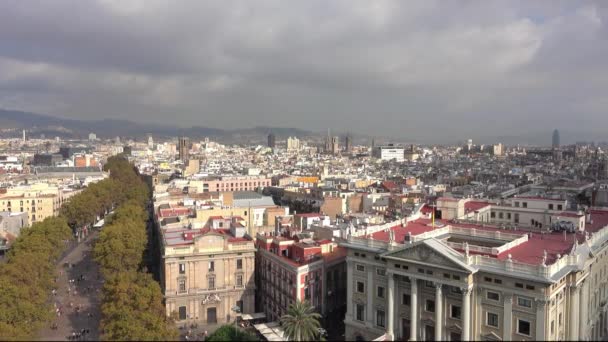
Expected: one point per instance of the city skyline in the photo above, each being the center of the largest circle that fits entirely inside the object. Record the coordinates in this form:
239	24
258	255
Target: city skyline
383	68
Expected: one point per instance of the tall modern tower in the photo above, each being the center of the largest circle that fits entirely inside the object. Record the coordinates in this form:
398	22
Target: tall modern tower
271	140
183	149
555	143
347	143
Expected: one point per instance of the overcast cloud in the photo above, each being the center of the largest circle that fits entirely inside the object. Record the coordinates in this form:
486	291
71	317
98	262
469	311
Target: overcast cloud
382	67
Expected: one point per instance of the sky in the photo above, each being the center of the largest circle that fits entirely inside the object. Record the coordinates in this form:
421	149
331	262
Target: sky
417	69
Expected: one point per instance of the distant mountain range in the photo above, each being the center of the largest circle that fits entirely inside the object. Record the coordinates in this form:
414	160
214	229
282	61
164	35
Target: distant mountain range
12	123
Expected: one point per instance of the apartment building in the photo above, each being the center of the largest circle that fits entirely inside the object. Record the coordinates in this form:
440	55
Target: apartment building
453	281
298	269
232	183
207	272
535	213
39	200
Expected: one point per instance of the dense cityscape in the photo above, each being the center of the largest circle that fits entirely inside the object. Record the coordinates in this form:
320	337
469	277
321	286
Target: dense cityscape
475	242
319	170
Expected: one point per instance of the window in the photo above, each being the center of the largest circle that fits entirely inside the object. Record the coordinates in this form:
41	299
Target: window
550	206
492	319
559	207
360	268
420	270
497	281
524	302
380	318
428	283
211	266
360	314
501	215
430	305
181	285
508	216
380	292
520	285
406	299
182	312
381	271
560	320
523	327
182	268
493	215
529	287
516	218
516	204
455	312
239	280
239	264
446	275
360	287
492	296
211	284
524	204
488	279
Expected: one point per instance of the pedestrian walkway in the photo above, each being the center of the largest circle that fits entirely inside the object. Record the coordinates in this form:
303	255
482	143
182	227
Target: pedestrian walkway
76	297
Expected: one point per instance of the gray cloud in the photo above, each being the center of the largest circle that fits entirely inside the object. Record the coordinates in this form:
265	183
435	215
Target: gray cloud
414	69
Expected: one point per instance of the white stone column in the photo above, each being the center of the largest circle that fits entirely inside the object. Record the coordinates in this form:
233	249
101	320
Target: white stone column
349	290
574	315
438	312
507	318
541	308
583	311
466	314
390	326
370	296
414	310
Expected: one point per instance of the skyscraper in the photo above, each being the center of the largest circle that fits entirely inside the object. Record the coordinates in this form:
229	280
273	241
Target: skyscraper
347	143
271	140
555	139
183	149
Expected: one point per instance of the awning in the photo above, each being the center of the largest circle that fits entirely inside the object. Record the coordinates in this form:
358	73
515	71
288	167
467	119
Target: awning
249	317
271	331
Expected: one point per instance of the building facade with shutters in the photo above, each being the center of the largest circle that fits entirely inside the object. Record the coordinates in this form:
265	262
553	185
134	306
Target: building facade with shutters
449	281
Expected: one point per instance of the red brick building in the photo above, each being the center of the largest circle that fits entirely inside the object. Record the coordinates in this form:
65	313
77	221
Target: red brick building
288	270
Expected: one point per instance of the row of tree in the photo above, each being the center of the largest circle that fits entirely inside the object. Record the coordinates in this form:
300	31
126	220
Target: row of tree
28	277
132	307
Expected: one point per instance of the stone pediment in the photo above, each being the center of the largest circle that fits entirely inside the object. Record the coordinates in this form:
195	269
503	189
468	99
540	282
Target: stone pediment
432	252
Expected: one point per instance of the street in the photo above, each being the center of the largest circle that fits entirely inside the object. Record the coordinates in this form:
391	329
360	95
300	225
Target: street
77	296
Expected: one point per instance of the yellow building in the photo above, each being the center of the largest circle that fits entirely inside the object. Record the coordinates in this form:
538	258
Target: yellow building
39	200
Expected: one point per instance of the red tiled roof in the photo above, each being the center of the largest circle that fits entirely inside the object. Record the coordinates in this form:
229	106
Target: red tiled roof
532	251
599	219
475	205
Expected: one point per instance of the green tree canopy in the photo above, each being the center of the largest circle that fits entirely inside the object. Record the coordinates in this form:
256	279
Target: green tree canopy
301	323
230	332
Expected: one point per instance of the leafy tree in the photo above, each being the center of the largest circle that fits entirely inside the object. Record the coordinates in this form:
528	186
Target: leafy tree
229	332
301	323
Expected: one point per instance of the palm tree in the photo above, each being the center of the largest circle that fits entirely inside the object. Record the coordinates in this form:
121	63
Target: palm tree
301	323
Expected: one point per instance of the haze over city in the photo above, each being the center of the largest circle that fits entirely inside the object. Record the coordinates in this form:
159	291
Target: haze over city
412	69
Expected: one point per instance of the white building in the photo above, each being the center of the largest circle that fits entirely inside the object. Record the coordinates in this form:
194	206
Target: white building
293	143
389	153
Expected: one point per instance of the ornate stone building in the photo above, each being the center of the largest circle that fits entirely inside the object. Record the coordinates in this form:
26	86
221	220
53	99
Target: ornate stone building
472	282
208	274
